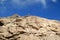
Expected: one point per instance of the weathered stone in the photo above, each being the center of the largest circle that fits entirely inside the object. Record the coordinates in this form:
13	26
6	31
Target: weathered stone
29	28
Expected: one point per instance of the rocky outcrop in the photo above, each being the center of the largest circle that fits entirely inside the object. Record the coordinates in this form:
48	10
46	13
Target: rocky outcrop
29	28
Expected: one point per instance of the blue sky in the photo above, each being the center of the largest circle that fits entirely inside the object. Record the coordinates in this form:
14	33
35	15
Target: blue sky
44	8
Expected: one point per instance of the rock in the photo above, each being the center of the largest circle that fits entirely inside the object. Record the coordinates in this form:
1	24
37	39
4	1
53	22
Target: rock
29	28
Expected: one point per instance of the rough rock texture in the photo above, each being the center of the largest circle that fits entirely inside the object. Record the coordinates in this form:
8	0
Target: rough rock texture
29	28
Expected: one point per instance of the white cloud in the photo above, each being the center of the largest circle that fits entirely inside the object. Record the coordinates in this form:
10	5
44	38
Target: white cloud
29	2
42	2
2	1
54	0
25	2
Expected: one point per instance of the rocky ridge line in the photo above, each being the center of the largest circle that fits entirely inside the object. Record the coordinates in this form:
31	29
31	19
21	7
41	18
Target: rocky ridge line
29	28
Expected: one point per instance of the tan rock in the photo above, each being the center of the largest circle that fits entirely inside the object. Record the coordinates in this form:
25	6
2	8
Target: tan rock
29	28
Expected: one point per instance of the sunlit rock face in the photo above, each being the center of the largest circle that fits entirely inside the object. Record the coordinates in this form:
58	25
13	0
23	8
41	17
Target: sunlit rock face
29	28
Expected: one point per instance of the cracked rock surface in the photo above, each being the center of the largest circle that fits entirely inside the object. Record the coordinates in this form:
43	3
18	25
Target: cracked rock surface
29	28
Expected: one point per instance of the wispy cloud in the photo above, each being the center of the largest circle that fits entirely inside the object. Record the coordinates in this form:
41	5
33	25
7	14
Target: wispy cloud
2	1
29	2
25	2
43	2
54	0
